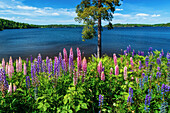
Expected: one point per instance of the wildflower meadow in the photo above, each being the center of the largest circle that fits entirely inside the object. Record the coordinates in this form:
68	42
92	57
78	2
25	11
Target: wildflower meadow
127	83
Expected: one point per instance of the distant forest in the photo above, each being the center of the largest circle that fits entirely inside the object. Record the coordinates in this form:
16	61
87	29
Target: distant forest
8	24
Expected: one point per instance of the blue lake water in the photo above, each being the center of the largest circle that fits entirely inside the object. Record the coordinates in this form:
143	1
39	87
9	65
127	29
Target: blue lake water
51	41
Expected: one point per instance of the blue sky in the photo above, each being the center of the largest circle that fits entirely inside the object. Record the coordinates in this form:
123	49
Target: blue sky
63	11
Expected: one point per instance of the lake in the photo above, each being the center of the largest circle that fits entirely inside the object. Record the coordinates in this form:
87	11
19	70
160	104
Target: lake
51	41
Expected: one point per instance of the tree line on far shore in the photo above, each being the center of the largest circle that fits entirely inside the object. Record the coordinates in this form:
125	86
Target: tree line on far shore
8	24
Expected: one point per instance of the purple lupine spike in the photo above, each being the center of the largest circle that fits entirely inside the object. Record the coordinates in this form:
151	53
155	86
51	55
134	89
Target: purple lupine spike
158	61
44	67
142	53
28	82
100	100
150	49
39	65
71	64
129	48
32	71
143	74
27	60
125	52
55	65
47	61
168	57
131	92
140	65
3	82
163	88
31	59
162	53
129	99
63	65
147	100
158	68
139	53
146	61
133	53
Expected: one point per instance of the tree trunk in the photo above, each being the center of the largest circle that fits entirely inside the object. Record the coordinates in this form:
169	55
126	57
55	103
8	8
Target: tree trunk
99	32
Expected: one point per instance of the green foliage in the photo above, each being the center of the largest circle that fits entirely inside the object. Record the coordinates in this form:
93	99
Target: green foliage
90	11
60	95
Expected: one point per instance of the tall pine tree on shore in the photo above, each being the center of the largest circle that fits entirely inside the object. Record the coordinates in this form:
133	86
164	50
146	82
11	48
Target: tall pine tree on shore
92	12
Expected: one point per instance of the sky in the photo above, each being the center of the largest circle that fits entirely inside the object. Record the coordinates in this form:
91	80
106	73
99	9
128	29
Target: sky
43	12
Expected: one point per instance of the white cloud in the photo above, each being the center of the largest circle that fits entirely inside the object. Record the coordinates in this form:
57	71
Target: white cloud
55	14
48	8
119	9
122	15
142	14
26	7
155	15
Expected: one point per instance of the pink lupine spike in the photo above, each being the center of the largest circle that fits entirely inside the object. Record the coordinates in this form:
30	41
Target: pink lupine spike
14	87
111	71
6	68
115	60
25	69
137	80
102	76
99	68
10	71
3	63
125	73
10	61
10	89
114	55
131	61
78	59
17	66
20	64
65	58
84	65
116	70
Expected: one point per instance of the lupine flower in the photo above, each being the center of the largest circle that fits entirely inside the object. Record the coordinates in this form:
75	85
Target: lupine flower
164	88
147	102
116	70
142	53
3	63
31	59
147	61
55	65
143	74
84	65
131	61
3	82
65	58
162	53
128	49
14	87
99	68
140	65
141	84
27	81
27	60
133	53
129	99
25	69
71	64
139	53
78	59
6	68
47	61
125	73
44	67
114	55
102	76
20	64
150	49
125	52
39	63
131	92
75	78
115	60
17	66
168	57
10	89
158	68
158	61
10	71
100	100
